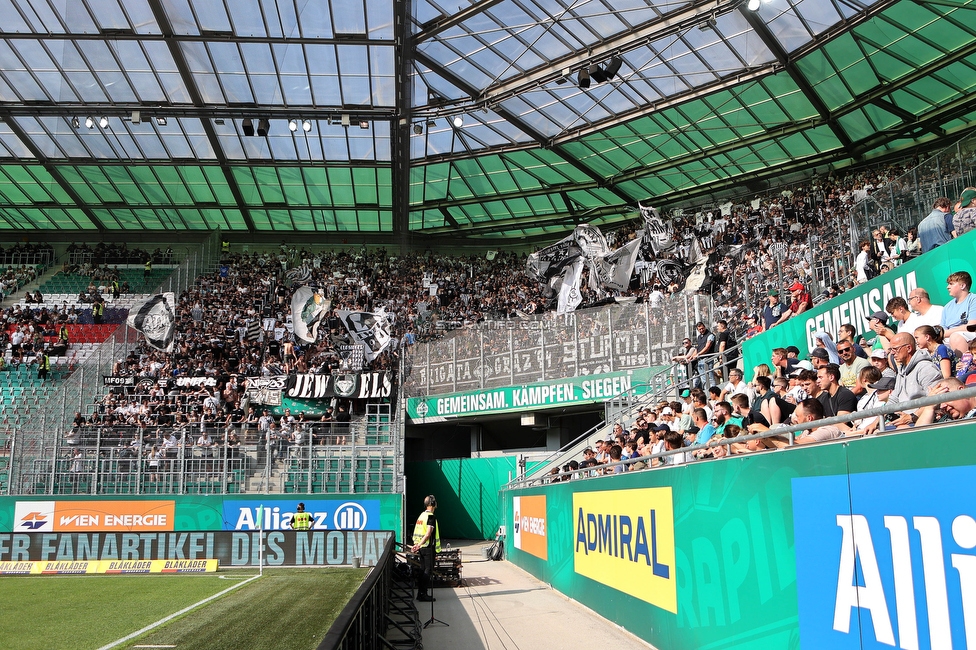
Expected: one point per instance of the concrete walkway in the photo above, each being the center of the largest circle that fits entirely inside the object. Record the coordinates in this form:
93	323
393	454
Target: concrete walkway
501	607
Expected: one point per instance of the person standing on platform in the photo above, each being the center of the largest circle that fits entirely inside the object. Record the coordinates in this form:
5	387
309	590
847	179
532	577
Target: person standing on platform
301	520
426	542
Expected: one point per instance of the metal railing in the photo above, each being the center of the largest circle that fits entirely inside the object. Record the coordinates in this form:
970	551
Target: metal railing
621	408
908	199
40	438
607	339
785	434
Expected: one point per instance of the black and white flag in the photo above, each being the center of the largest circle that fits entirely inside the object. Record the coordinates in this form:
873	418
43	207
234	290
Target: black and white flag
372	330
253	331
614	271
298	275
550	263
658	235
156	319
308	310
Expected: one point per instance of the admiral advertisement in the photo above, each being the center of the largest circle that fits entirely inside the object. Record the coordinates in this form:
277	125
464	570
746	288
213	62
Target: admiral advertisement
625	539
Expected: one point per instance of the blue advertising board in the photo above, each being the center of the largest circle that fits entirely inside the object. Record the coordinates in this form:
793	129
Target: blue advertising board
327	514
886	559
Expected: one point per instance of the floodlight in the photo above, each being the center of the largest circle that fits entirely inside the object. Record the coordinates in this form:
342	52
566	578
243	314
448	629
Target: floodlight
263	126
306	126
103	122
160	121
74	122
753	5
292	125
583	78
458	121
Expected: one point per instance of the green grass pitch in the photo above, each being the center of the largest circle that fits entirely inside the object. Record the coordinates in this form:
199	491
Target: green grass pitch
285	608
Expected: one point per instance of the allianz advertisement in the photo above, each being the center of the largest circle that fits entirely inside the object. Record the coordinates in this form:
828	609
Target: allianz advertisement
853	307
887	560
541	395
327	514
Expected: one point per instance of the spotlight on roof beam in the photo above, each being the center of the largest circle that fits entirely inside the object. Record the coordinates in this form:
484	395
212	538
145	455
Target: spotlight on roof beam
363	124
753	5
75	123
431	124
344	120
247	127
136	117
103	122
597	75
263	127
90	122
613	67
583	78
418	129
458	121
306	125
160	121
292	125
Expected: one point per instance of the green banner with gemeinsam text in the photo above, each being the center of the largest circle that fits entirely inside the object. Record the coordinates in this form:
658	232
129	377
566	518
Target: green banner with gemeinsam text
928	271
546	394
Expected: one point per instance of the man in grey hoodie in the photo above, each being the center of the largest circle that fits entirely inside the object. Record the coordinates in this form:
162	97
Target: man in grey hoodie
916	370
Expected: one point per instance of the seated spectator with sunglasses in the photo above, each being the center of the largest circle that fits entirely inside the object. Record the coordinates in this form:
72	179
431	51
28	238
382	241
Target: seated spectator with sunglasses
850	364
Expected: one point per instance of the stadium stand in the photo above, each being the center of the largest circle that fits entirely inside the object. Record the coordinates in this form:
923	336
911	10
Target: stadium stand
436	300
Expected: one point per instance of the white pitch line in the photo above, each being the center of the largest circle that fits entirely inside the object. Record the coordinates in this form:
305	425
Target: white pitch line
169	618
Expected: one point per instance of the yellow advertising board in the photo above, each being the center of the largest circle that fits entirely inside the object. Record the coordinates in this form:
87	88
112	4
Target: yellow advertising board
530	525
625	539
107	566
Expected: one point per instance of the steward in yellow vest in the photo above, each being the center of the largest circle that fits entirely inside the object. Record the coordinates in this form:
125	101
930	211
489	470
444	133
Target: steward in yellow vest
301	520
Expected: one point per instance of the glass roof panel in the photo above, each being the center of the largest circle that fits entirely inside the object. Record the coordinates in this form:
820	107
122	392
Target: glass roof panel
699	101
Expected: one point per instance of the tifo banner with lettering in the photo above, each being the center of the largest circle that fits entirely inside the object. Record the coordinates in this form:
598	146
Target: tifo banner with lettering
869	543
187	552
233	512
547	394
625	539
529	532
928	271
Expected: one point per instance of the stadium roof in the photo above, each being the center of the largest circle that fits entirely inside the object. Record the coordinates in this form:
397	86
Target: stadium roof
439	119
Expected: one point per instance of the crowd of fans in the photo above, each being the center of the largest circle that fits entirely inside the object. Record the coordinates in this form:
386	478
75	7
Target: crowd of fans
914	349
101	254
770	244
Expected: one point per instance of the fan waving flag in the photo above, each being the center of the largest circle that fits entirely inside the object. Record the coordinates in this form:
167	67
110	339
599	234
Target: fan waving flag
371	330
308	310
156	319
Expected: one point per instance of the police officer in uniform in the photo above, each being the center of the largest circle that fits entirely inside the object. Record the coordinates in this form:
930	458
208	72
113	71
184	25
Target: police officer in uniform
301	520
426	542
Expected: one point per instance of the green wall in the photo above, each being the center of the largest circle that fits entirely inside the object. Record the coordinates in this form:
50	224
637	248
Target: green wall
766	547
466	490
